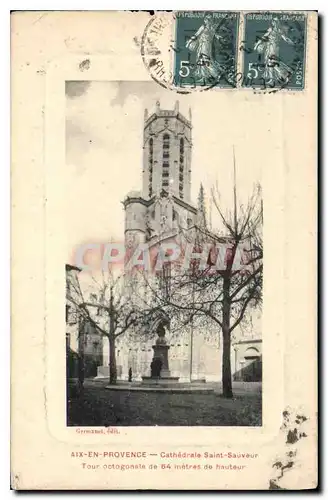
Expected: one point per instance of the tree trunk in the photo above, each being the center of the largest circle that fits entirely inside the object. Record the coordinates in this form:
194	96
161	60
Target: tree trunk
112	361
226	353
111	338
226	365
81	357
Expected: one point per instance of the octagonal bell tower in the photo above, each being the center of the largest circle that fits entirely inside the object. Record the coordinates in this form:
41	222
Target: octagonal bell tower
163	205
167	153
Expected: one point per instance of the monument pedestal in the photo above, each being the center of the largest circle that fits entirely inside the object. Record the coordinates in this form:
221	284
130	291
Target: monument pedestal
162	352
160	372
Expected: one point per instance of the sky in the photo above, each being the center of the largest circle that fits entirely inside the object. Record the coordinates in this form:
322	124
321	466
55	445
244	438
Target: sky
104	128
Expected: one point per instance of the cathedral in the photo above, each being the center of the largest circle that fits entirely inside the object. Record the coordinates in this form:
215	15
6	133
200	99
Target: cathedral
161	211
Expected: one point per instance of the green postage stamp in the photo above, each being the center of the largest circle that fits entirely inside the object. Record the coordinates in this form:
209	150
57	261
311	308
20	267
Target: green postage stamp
274	50
210	50
206	49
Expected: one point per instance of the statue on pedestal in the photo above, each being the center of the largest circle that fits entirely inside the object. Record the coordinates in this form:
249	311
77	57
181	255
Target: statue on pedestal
159	367
160	364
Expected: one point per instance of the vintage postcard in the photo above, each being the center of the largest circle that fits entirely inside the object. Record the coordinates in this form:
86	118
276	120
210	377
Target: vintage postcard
164	250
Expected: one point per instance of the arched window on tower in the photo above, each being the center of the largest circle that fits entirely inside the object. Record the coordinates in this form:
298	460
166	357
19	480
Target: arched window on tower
166	146
150	167
166	141
166	164
181	167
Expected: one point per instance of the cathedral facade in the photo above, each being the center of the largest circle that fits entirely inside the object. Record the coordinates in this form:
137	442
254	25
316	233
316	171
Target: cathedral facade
160	212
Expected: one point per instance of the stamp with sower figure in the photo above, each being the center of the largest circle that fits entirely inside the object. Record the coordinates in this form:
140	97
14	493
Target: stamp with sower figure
206	49
274	50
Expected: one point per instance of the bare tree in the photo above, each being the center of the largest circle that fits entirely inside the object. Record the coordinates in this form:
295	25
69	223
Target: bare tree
198	294
241	288
109	310
224	295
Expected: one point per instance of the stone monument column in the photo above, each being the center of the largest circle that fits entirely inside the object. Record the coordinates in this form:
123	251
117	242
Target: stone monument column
161	351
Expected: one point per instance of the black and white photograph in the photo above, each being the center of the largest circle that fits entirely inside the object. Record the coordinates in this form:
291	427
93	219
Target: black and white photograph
164	262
